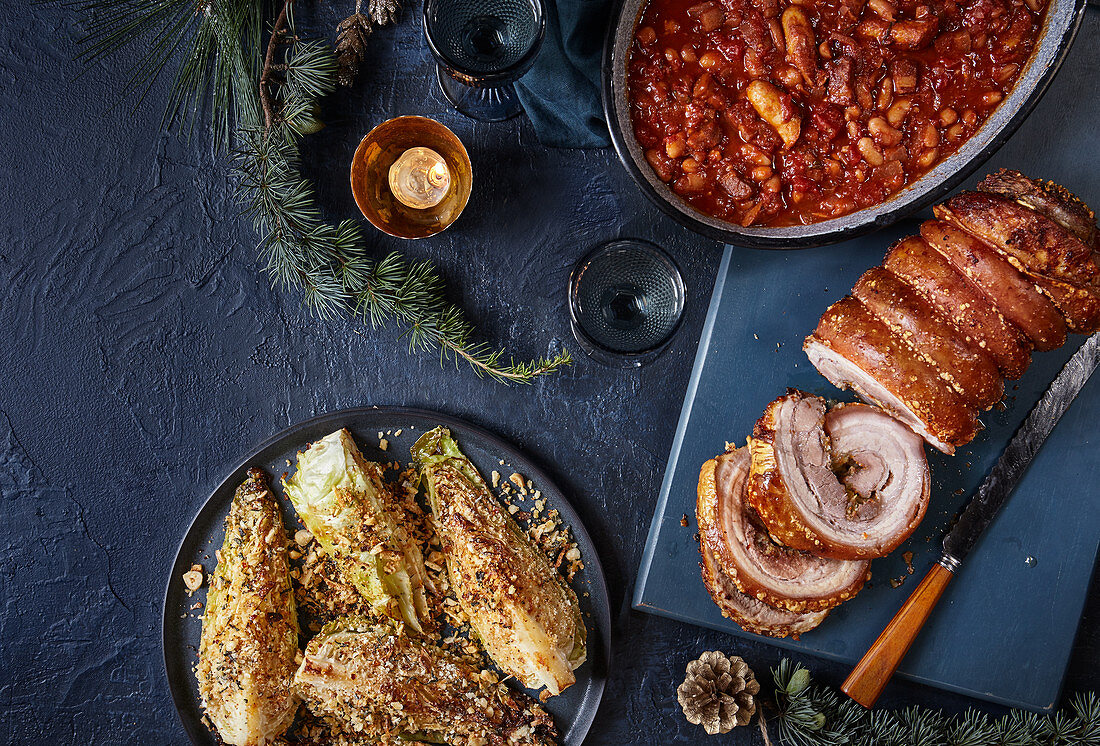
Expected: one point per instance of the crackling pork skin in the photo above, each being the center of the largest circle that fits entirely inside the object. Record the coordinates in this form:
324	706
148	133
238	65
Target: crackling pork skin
1011	267
855	350
848	483
758	566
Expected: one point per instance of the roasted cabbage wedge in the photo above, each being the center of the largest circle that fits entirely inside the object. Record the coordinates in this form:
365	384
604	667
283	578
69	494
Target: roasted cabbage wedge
521	608
250	628
393	687
341	499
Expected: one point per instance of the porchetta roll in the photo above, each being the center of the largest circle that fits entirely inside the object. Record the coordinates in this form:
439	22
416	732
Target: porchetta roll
855	350
760	568
1042	246
749	614
848	483
1079	305
1046	198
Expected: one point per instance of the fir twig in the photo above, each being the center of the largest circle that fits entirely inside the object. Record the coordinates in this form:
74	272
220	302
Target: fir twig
810	715
329	263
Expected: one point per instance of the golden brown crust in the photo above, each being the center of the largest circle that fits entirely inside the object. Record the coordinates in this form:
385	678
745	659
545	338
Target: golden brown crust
848	328
769	495
1042	245
710	531
964	305
1079	306
969	369
1014	295
1047	198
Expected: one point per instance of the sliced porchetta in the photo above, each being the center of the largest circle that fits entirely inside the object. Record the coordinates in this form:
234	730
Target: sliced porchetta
760	568
855	350
1041	246
1046	198
749	614
1014	294
969	369
848	483
1079	305
972	313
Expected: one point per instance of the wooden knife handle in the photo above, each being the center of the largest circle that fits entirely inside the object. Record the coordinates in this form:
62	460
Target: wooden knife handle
869	677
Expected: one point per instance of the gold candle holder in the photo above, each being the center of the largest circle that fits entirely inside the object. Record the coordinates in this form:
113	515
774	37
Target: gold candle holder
411	177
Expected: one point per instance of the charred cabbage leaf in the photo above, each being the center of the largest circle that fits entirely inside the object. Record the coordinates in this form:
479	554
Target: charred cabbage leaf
342	500
392	687
250	628
521	608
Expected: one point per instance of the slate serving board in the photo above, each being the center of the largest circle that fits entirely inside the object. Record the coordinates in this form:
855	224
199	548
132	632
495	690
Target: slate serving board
1005	628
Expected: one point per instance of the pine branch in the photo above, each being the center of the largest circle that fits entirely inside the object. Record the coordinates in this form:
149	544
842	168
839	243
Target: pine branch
329	263
816	716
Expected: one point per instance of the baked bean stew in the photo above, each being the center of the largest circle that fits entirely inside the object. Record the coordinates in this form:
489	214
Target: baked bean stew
790	112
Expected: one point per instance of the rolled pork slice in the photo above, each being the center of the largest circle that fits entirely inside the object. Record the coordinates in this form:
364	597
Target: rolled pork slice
851	483
1014	294
1043	246
1046	198
748	613
955	296
970	370
857	351
760	568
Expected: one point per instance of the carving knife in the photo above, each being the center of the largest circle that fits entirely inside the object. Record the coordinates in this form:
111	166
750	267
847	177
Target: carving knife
870	675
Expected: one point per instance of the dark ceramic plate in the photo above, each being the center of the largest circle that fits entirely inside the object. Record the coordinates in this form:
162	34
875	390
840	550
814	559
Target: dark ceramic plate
573	710
1062	20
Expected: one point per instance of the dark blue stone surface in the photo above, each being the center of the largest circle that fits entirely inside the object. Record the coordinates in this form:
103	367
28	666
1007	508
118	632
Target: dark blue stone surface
144	352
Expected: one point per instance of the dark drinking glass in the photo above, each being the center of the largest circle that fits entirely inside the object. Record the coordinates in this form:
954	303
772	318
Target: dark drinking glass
480	47
625	302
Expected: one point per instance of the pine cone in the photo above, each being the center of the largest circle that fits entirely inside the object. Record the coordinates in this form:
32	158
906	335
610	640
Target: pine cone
383	12
351	44
718	692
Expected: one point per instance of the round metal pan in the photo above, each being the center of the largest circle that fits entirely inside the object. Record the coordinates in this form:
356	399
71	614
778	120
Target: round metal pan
573	710
1062	21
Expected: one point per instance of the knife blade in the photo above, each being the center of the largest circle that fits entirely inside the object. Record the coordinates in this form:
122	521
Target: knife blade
1018	455
869	677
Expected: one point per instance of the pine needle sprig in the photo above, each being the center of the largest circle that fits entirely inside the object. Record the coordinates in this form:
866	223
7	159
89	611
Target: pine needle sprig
211	34
329	263
810	715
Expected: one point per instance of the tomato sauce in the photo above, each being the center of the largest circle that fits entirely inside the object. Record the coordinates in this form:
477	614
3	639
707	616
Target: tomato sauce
769	113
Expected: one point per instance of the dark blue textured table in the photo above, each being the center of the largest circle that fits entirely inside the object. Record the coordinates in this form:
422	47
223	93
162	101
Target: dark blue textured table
144	353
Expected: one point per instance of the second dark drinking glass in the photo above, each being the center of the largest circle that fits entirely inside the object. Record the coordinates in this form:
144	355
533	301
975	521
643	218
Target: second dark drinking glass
625	302
480	48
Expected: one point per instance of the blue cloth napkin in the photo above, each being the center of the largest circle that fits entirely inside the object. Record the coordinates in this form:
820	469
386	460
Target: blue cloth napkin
561	92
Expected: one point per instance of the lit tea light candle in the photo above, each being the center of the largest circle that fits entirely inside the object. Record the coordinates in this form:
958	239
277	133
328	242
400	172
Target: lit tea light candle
419	178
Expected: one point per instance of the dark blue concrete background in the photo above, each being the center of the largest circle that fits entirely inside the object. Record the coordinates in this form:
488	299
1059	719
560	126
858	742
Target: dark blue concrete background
143	352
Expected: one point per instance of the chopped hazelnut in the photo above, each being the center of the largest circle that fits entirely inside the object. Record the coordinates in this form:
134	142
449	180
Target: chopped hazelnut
192	579
302	537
